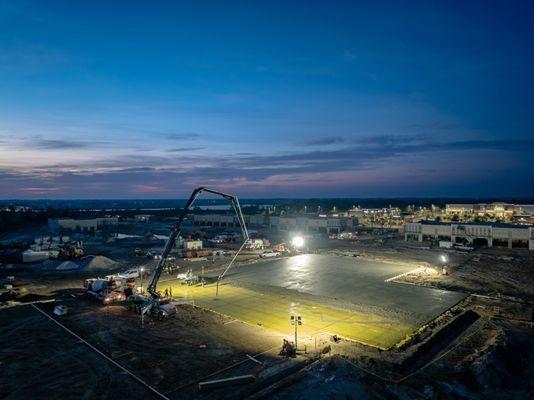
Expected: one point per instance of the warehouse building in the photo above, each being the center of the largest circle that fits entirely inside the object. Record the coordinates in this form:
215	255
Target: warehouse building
494	209
485	233
143	218
214	220
80	225
312	224
302	224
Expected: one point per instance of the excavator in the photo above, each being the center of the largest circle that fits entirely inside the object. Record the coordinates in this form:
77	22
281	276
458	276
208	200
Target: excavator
158	306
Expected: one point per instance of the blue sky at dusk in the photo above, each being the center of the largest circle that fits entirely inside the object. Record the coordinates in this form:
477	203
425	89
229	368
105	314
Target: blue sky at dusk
134	99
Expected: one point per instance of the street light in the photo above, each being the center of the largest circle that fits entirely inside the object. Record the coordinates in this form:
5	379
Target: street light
142	270
297	242
443	259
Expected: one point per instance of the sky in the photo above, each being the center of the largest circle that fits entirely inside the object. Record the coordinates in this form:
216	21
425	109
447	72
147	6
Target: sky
128	99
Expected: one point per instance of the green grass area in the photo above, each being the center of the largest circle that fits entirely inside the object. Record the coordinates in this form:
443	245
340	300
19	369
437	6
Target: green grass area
272	311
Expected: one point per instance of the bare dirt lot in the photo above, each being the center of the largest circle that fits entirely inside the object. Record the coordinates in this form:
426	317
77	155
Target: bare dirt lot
479	349
40	358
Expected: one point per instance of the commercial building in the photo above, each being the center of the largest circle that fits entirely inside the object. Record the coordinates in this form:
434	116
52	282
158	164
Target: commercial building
80	225
192	245
215	220
145	218
302	224
484	233
494	209
312	224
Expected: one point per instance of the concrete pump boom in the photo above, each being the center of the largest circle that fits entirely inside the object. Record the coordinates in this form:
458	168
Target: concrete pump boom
175	231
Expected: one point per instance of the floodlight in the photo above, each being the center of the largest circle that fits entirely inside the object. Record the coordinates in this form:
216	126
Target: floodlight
297	241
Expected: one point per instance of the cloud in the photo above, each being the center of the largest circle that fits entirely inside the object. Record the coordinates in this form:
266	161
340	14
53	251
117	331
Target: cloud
367	140
183	136
57	144
323	141
40	143
184	149
369	159
393	139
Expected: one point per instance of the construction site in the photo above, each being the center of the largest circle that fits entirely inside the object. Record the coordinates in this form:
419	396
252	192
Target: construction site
309	316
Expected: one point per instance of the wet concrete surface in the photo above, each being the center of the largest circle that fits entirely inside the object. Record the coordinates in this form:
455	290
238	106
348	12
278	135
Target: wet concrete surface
354	280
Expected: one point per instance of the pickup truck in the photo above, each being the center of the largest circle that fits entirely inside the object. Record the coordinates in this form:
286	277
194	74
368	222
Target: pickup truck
269	254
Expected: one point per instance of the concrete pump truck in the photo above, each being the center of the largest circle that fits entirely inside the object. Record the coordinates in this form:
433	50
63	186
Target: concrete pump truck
154	304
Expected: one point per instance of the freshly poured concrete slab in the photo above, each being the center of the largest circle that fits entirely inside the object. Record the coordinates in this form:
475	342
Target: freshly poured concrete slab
353	280
271	310
334	295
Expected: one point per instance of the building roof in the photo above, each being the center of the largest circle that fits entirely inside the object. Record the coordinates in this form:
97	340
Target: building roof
494	224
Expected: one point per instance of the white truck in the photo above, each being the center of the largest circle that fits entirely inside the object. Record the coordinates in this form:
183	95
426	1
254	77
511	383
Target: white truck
269	254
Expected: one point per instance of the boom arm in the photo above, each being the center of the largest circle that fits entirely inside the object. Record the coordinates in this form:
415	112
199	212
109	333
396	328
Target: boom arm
175	231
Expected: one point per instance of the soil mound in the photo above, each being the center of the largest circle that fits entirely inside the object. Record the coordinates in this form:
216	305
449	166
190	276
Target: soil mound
98	263
67	265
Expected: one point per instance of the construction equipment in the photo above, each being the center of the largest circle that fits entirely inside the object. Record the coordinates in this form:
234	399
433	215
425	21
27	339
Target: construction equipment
108	289
70	251
280	248
139	252
288	349
155	305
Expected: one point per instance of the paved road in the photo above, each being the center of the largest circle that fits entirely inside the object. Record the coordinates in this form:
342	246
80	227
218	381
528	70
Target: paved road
351	279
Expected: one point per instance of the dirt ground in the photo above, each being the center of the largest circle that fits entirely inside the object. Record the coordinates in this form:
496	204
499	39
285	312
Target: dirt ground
489	356
495	271
40	358
41	361
490	363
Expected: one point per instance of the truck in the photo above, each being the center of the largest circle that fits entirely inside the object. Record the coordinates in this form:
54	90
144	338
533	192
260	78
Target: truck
110	288
269	254
161	310
196	253
154	303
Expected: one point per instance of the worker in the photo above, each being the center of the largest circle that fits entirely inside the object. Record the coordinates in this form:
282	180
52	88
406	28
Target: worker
170	292
166	292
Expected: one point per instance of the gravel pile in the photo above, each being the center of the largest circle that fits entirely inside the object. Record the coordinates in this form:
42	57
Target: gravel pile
67	265
98	263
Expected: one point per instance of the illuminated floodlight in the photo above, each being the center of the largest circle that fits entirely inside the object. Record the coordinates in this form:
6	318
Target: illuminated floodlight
298	242
443	258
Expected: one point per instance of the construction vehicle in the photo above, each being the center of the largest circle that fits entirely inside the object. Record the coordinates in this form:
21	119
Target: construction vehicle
156	305
280	248
288	349
269	254
111	287
72	250
196	253
108	289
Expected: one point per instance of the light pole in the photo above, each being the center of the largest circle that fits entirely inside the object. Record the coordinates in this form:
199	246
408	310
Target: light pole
443	259
142	270
296	320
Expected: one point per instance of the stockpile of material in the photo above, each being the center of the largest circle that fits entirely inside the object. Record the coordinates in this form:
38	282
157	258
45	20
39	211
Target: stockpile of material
98	263
67	265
